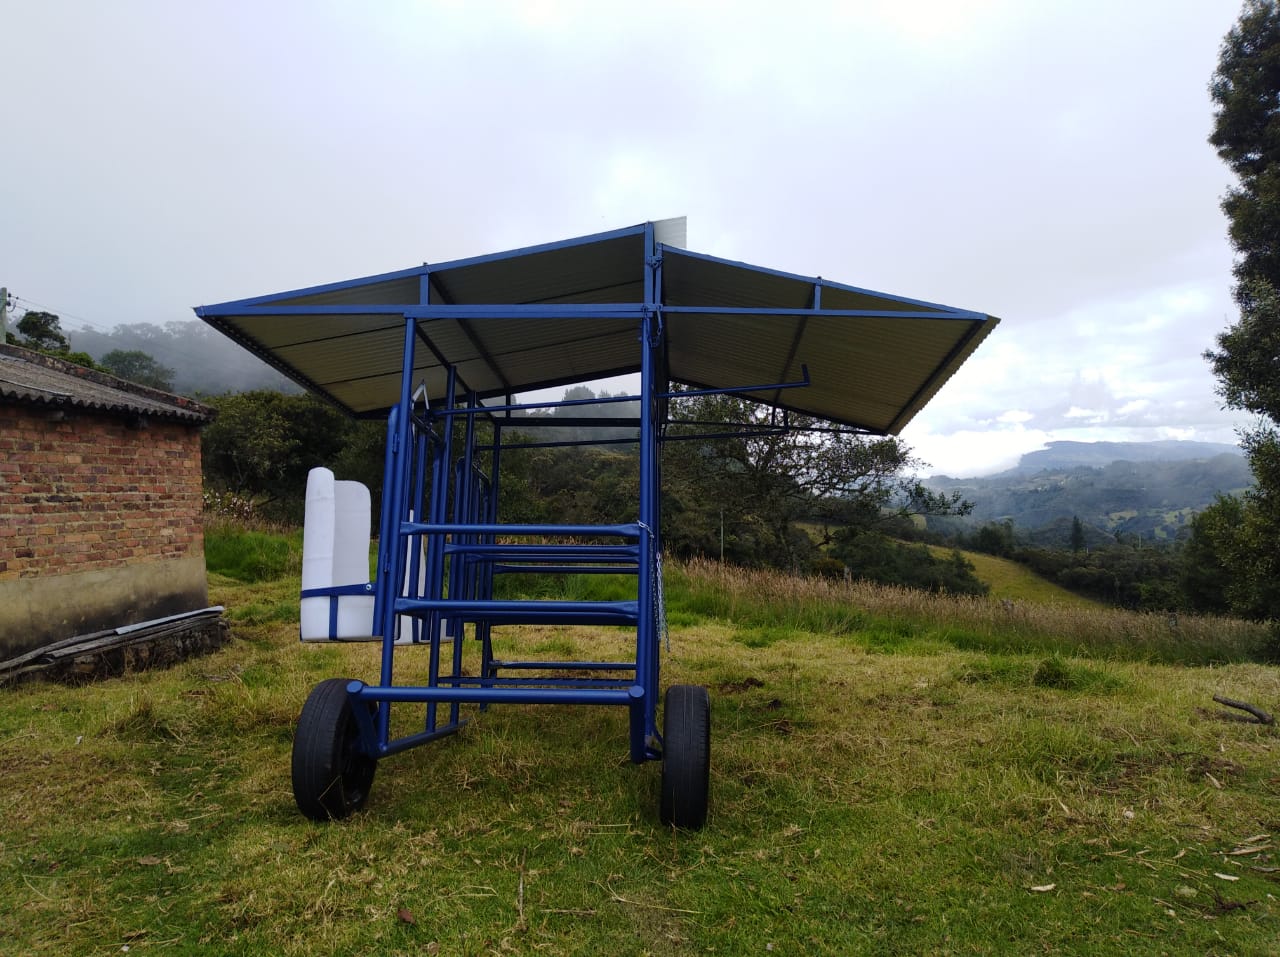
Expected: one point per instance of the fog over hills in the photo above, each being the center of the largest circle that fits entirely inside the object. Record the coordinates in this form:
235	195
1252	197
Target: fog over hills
1148	490
1065	455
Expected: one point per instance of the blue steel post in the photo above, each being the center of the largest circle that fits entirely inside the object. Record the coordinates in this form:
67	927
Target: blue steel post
438	512
462	566
643	707
394	504
484	631
413	543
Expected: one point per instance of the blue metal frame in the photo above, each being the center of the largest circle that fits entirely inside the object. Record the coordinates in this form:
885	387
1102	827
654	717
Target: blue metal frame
442	544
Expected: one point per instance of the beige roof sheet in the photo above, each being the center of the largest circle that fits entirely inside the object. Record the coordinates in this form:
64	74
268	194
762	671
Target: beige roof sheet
568	312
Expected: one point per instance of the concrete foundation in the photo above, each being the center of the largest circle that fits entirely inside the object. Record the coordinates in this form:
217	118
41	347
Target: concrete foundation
37	611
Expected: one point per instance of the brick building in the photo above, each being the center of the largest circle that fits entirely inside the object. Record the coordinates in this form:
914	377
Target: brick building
100	502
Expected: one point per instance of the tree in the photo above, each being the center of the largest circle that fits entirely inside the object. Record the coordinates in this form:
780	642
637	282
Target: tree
1077	534
872	556
995	539
42	331
1205	581
1246	133
136	366
765	478
262	444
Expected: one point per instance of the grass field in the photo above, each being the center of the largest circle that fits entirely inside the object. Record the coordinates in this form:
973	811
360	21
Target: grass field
1014	582
891	774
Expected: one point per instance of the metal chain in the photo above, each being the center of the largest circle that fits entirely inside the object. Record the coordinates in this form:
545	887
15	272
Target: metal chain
659	599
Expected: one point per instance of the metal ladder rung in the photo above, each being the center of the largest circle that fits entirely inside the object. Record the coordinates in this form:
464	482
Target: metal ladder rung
525	612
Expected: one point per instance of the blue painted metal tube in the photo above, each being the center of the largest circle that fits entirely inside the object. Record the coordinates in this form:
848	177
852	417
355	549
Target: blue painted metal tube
439	510
422	737
580	311
463	568
416	560
483	630
551	310
591	696
625	555
646	627
503	569
620	680
949	315
534	552
571	443
487	528
398	457
567	665
526	612
528	406
387	521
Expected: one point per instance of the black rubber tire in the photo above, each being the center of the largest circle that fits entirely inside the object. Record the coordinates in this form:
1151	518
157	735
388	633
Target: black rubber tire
686	757
331	777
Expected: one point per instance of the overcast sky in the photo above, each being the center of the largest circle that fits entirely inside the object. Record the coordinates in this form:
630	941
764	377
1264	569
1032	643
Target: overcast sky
1043	162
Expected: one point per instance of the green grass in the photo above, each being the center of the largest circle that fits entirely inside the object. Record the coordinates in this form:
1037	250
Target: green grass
250	555
877	789
1011	581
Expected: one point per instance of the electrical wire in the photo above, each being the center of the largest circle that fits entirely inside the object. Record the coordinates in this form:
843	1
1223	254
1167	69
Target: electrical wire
26	306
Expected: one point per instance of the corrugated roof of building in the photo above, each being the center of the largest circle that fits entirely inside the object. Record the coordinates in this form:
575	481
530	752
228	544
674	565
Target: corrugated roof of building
31	378
567	312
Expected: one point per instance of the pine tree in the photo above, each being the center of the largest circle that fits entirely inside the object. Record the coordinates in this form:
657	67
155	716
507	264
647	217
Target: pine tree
1246	133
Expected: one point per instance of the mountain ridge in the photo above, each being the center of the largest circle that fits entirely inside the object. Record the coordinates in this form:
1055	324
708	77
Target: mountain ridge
1066	454
1148	490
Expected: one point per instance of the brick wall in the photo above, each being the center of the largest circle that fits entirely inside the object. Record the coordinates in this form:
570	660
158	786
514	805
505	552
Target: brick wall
86	491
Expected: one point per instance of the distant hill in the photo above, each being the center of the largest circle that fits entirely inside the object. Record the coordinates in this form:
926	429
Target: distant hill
1145	489
1068	455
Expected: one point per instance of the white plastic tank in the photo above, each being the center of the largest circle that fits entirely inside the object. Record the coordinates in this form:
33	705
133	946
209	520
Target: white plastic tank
335	553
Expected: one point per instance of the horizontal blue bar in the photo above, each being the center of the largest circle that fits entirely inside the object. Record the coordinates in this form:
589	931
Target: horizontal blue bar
561	444
422	737
526	612
559	553
505	569
632	695
949	314
317	309
538	310
566	665
622	681
481	528
556	404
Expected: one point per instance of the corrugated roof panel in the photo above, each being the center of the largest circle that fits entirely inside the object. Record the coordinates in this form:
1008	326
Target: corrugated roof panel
30	378
873	371
334	361
394	292
562	350
862	370
276	332
579	273
692	280
835	296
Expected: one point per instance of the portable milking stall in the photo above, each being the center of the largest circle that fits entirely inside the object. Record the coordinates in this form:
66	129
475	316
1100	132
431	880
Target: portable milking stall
444	352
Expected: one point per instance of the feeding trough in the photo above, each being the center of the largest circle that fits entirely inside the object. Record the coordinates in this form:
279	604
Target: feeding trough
443	352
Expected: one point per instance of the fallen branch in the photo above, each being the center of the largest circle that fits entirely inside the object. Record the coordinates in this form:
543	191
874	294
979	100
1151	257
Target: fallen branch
1259	716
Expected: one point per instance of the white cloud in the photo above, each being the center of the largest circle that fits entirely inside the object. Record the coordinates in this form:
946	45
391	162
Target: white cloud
1015	417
